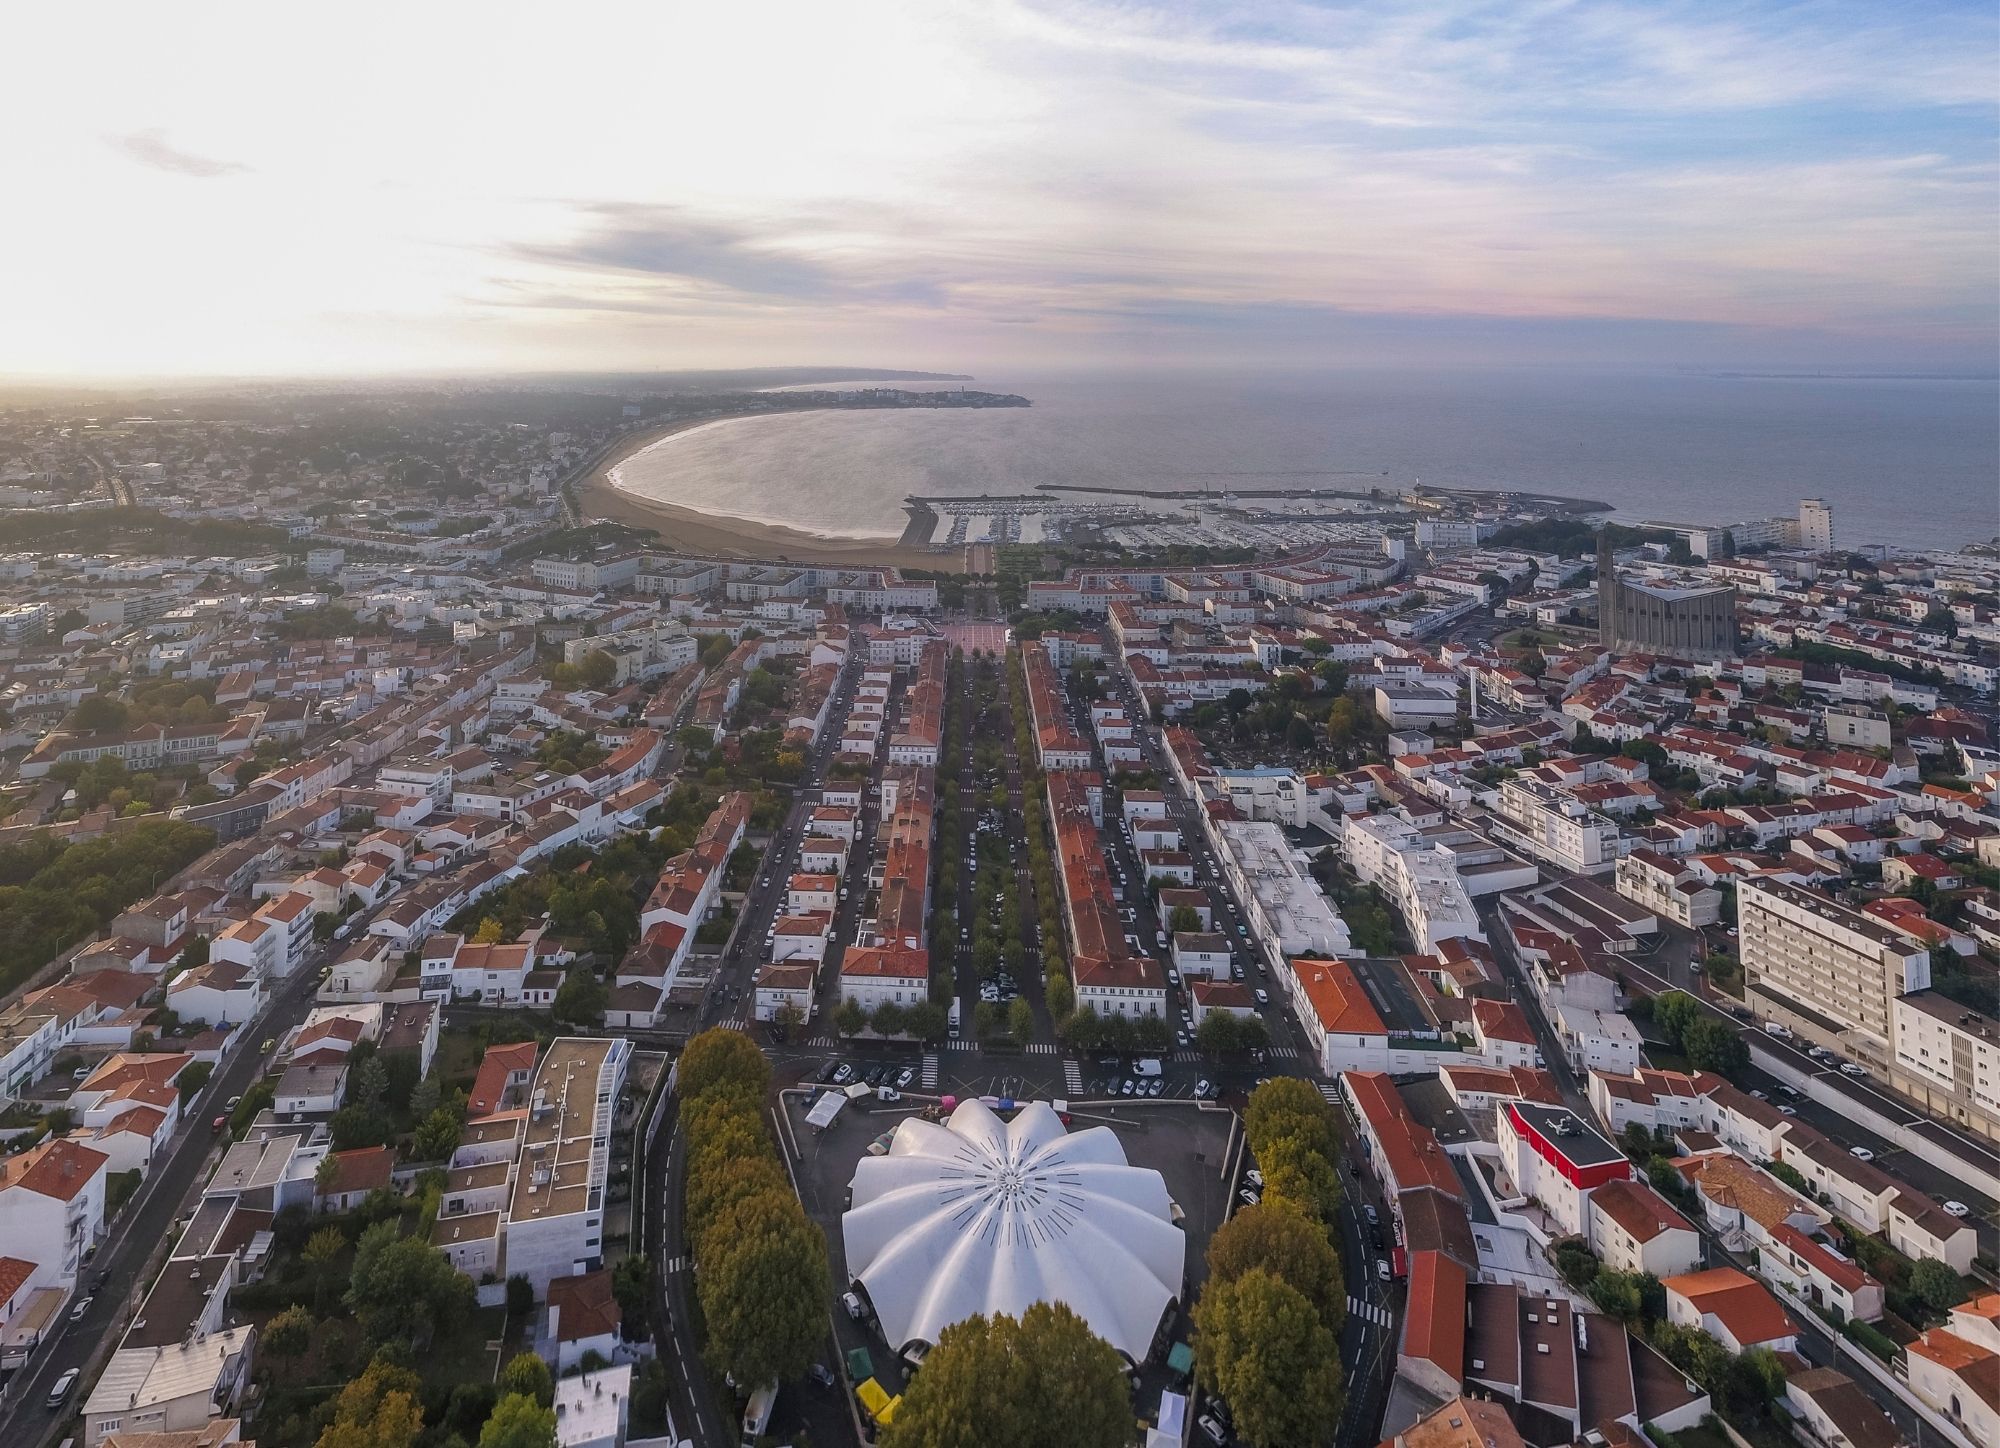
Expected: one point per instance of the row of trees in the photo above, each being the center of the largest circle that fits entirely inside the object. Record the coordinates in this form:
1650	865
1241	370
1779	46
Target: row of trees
760	1263
1058	992
1267	1327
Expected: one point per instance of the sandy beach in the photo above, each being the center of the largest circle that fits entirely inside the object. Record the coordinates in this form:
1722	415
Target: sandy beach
688	530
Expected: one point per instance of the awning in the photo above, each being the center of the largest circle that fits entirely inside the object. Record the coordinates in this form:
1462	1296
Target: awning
825	1109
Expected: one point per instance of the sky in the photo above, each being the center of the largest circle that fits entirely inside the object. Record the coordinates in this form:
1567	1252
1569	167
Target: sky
238	189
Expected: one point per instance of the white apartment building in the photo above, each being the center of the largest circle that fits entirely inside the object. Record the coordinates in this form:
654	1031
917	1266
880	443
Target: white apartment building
1289	915
1554	826
555	1219
52	1204
1422	879
1670	888
1828	972
1947	1056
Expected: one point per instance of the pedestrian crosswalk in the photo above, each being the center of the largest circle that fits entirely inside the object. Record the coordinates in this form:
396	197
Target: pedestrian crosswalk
1331	1092
930	1072
1042	1048
1369	1312
1072	1078
677	1264
961	1045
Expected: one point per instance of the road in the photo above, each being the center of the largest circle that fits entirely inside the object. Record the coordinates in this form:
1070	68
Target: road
147	1222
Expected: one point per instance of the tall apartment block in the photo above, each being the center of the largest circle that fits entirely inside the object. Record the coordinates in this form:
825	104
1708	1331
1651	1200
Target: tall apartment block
1830	973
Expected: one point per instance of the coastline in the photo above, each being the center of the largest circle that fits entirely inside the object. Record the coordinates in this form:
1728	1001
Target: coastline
689	530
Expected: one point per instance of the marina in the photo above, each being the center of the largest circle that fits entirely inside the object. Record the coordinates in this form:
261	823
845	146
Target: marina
1263	518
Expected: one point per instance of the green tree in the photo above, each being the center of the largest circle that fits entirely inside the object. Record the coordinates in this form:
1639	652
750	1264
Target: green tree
889	1019
581	998
763	1288
1289	1247
321	1255
288	1334
520	1296
632	1285
926	1020
1263	1348
193	1078
1042	1381
369	1083
1300	1177
1219	1033
380	1409
526	1374
1021	1020
519	1421
1714	1045
851	1018
404	1290
436	1136
1059	995
1936	1284
720	1059
598	669
1184	920
1288	1106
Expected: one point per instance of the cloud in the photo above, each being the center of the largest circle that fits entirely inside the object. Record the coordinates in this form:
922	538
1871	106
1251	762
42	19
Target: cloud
1082	176
666	241
151	148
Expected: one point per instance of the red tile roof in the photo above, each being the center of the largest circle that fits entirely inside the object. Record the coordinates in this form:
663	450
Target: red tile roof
59	1168
1744	1307
1337	999
1434	1320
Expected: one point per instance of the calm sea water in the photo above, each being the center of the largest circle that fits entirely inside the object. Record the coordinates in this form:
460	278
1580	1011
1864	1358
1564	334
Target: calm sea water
1908	462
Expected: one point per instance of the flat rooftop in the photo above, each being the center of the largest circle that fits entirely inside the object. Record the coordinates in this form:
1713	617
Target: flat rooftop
1569	1133
559	1149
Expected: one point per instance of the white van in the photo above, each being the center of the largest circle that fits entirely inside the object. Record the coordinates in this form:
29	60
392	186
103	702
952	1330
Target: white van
757	1414
1146	1066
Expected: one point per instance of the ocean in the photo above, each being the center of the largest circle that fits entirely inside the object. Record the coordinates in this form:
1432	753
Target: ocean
1909	462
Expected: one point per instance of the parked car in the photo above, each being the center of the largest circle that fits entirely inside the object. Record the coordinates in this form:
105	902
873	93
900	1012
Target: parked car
1381	1269
64	1386
1217	1434
1155	1086
842	1074
821	1374
1957	1209
905	1076
1851	1069
1250	1198
1860	1153
1788	1111
853	1305
1129	1086
1263	996
82	1306
888	1093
